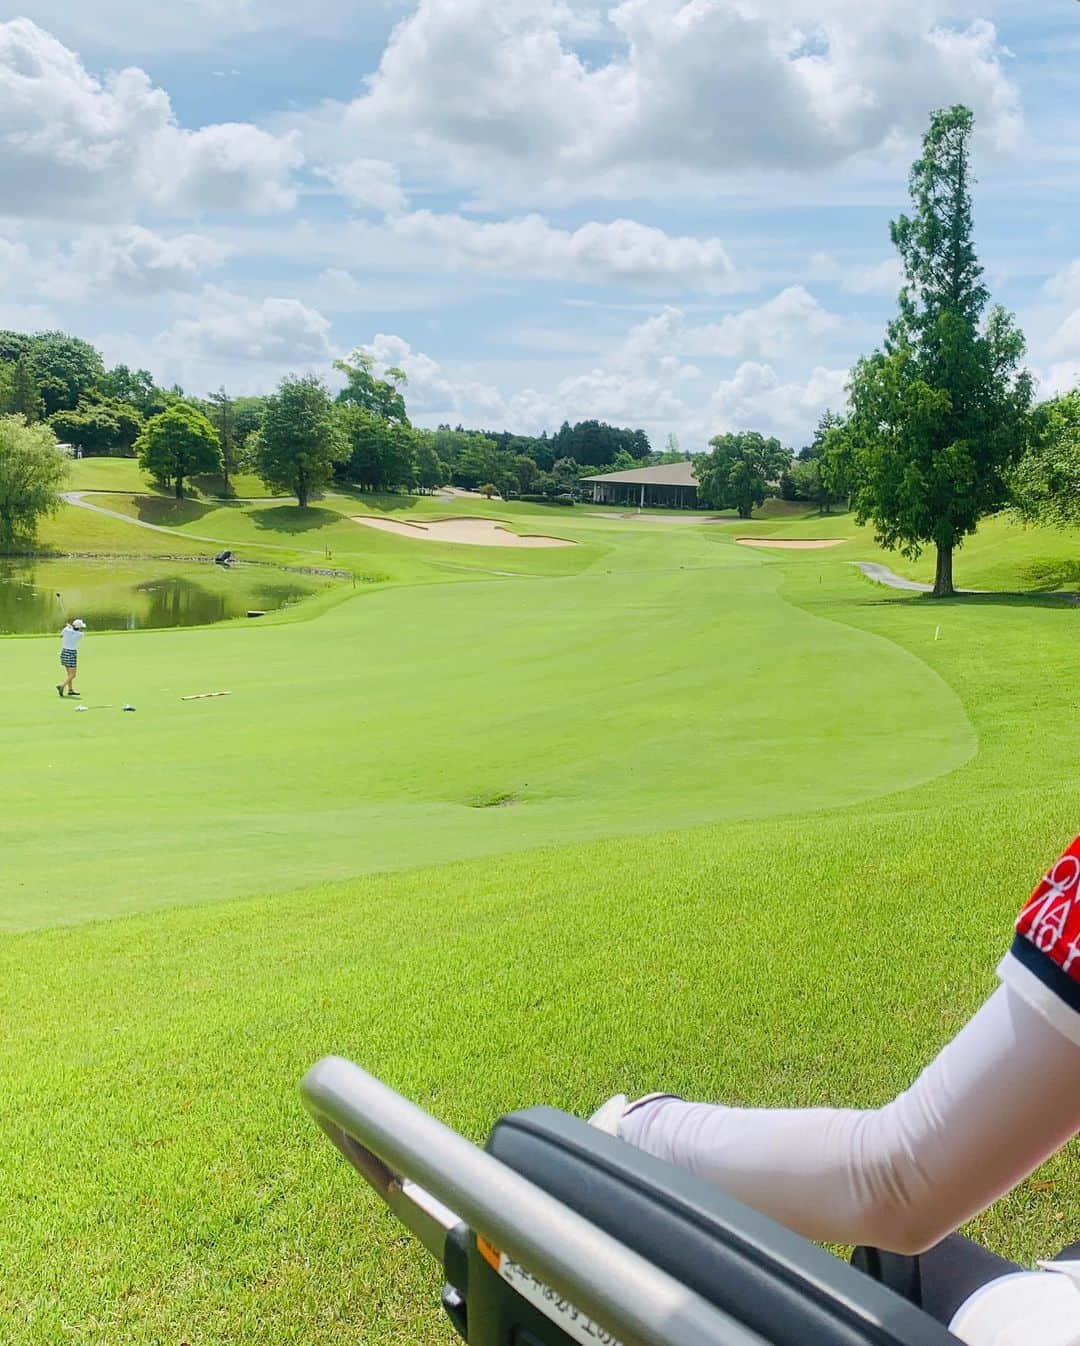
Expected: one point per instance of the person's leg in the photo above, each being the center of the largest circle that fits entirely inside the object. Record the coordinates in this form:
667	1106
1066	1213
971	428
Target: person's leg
940	1279
69	681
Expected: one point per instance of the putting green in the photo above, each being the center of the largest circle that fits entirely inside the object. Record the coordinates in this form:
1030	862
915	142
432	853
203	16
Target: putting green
668	684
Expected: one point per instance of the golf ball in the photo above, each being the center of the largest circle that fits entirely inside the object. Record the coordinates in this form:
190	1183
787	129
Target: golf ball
79	709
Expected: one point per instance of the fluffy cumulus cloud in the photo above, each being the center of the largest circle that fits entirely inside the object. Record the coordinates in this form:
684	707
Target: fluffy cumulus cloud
645	380
436	394
132	263
109	145
431	392
232	328
368	184
770	329
702	85
756	397
621	249
767	330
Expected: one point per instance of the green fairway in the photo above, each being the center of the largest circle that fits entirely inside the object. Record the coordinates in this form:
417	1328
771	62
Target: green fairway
663	812
671	687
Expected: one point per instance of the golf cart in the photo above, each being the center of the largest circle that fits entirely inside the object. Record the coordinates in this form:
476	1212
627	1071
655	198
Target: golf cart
556	1234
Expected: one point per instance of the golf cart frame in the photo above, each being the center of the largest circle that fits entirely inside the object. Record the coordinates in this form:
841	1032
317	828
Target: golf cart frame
557	1234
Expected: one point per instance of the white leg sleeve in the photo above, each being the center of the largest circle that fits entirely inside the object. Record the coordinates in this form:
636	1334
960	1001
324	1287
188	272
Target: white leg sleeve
997	1101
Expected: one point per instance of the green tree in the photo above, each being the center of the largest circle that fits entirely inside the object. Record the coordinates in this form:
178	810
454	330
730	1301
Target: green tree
33	469
248	415
526	474
940	414
1045	485
363	389
300	440
380	452
741	471
478	461
64	368
13	346
26	397
178	444
99	425
431	471
565	476
221	413
137	388
811	475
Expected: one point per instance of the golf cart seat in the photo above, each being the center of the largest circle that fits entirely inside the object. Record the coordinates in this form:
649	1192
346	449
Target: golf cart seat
558	1234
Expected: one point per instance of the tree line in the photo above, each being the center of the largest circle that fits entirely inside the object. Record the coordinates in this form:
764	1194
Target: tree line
941	428
300	438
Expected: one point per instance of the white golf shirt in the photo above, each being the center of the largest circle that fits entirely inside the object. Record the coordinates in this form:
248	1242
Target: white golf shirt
70	637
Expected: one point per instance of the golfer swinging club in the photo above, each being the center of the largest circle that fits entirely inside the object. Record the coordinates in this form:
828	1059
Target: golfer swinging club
70	637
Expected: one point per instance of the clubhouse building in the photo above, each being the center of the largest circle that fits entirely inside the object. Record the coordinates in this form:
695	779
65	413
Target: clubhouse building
671	486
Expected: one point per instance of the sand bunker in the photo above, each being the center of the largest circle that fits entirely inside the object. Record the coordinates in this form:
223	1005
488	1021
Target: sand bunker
791	544
474	532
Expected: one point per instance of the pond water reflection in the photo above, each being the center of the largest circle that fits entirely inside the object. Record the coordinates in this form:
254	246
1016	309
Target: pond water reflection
37	597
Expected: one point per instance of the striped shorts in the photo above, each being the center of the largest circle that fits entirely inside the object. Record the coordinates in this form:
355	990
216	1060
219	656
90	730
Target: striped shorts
69	658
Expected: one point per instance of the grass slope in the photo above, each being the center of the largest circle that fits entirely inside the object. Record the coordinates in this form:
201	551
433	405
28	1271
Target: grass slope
164	1185
669	687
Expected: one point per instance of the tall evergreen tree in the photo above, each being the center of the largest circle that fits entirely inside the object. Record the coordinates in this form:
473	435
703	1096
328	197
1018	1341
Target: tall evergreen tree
222	416
25	394
941	412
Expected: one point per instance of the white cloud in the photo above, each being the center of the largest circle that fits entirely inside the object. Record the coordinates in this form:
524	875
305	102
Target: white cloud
368	184
756	398
434	394
27	318
660	342
768	330
1066	340
14	262
885	277
641	384
621	249
233	328
131	262
1065	284
1062	377
67	138
430	392
233	166
690	85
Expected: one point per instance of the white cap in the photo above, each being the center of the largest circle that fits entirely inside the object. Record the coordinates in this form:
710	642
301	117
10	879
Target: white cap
79	624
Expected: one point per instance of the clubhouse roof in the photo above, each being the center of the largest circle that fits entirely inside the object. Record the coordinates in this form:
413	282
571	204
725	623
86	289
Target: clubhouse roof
672	484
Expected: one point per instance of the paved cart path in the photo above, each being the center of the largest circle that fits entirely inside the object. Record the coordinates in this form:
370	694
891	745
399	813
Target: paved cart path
883	575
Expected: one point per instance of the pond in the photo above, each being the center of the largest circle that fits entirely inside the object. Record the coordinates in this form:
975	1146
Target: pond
37	597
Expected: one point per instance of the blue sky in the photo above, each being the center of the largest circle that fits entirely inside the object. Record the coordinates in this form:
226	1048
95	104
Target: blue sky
665	213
